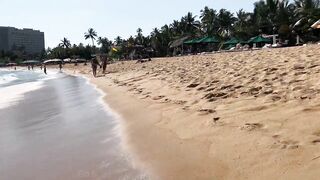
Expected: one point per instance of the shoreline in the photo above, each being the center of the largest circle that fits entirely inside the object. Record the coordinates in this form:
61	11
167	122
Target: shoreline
240	115
176	131
68	108
137	119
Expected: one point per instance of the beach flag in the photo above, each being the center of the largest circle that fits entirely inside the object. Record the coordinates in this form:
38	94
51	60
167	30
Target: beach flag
114	49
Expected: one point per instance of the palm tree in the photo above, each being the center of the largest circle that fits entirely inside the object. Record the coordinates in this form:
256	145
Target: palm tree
208	18
139	37
91	34
105	44
226	21
65	43
118	41
189	24
243	25
176	28
309	9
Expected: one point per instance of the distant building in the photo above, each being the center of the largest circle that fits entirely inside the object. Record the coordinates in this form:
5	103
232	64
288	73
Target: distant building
29	40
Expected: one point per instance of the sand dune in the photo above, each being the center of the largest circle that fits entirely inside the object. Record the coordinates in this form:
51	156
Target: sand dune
237	115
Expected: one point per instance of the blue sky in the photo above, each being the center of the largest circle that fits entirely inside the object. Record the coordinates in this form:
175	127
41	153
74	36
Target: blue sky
71	18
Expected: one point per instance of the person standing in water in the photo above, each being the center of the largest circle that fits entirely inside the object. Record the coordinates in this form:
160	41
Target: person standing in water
60	66
94	65
104	59
45	68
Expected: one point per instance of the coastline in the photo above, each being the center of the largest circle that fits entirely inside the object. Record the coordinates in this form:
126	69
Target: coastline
157	150
176	133
51	114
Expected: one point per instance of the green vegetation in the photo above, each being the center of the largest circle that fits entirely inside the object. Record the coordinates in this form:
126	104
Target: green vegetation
283	17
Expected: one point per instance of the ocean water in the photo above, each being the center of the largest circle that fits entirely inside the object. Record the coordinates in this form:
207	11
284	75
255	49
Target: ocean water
56	126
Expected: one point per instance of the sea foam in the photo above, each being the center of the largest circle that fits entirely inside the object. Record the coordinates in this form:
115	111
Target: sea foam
4	79
12	94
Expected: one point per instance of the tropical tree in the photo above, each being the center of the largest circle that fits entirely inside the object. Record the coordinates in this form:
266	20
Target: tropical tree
91	34
65	43
105	44
225	20
243	25
190	26
139	37
208	21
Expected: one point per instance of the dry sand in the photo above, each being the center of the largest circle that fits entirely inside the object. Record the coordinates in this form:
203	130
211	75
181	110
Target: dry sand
239	115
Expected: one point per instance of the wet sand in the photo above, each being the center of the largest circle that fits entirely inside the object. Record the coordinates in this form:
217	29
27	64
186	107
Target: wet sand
62	131
240	115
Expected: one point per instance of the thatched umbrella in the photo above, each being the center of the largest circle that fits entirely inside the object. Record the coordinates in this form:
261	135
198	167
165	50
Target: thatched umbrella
178	42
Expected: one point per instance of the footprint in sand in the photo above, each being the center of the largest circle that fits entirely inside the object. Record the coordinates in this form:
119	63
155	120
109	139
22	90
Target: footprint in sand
252	126
201	88
193	85
316	141
157	98
206	111
286	144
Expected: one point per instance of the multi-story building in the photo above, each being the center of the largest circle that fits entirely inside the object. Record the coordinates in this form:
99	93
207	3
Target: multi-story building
29	40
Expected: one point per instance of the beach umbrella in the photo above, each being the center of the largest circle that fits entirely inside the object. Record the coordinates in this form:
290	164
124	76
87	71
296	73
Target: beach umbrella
192	41
259	39
178	42
208	40
67	60
30	62
52	61
11	64
81	60
316	25
233	41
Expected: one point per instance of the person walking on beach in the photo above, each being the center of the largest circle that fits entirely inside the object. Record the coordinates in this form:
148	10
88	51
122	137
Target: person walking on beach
29	67
32	66
45	69
104	63
60	66
94	65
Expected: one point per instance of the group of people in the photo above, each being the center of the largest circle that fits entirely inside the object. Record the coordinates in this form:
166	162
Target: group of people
43	67
95	63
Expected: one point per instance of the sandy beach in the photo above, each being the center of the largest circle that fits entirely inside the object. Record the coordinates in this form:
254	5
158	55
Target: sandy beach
237	115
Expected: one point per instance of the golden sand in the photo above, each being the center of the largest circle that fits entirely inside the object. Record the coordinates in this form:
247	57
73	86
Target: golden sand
237	115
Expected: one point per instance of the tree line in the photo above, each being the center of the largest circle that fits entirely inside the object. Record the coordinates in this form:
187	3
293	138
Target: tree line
283	17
